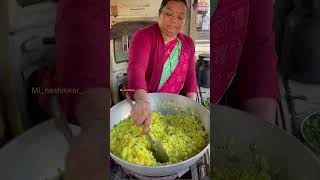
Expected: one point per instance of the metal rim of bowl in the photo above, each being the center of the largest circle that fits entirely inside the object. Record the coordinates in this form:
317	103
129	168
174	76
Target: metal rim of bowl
302	130
206	148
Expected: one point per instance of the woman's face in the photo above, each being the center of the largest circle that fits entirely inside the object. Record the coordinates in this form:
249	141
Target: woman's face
172	18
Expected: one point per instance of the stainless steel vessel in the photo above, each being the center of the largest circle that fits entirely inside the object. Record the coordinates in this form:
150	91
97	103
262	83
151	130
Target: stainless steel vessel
284	151
158	100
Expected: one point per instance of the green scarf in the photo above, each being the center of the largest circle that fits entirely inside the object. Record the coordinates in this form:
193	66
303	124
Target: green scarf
213	6
171	64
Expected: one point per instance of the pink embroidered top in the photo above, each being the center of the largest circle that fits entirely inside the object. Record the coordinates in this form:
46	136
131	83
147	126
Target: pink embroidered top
147	56
82	49
243	50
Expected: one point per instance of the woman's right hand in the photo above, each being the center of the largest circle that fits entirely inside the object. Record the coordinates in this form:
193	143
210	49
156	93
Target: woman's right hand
141	114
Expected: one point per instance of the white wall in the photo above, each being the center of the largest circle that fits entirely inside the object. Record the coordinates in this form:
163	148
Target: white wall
28	26
7	87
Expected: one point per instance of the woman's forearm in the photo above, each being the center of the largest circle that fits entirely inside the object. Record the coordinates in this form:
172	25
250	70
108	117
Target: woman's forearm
90	146
192	95
141	94
263	108
91	106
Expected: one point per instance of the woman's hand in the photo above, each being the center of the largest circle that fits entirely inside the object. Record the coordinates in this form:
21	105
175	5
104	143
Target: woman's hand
141	114
86	159
192	96
263	108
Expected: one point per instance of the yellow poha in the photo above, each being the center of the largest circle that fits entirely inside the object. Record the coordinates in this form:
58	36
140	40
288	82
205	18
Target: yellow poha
182	137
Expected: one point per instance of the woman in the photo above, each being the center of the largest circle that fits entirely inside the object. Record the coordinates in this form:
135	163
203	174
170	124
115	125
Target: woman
244	63
161	59
81	44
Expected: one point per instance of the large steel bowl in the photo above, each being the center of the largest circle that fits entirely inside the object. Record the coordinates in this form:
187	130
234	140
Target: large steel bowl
282	150
36	154
121	111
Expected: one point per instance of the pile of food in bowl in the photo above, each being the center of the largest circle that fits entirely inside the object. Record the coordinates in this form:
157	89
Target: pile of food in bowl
250	166
182	137
311	130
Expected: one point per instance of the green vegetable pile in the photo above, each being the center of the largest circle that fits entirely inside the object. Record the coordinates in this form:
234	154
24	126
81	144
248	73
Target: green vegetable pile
311	130
253	167
182	137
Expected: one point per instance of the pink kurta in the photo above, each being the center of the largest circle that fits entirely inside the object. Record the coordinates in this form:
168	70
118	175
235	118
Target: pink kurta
82	47
176	81
147	55
243	50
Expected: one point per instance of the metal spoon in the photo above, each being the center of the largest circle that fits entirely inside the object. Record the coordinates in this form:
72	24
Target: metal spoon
156	147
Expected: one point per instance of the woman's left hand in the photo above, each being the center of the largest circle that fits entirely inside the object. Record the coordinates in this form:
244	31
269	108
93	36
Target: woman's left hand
263	108
86	158
192	96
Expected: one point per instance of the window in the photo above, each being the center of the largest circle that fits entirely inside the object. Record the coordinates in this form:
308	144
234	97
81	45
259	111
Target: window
121	48
122	33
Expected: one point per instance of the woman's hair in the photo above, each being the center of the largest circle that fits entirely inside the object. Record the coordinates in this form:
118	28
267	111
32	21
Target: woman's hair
165	2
